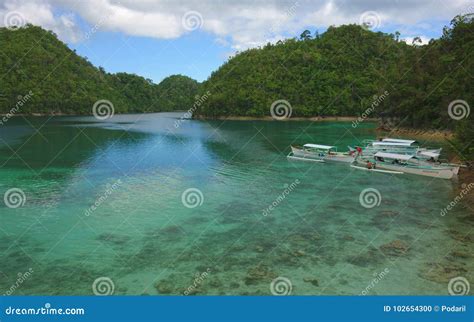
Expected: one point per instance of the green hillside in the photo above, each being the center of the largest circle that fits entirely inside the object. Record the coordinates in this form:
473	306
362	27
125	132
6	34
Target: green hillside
33	59
343	71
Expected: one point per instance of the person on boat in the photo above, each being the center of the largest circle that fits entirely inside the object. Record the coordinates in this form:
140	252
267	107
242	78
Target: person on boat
359	150
369	165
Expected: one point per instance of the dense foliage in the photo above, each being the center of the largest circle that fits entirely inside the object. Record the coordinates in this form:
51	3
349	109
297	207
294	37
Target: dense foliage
33	60
334	74
343	71
339	73
177	92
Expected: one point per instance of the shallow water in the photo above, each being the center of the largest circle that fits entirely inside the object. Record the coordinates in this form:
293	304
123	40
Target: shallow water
141	235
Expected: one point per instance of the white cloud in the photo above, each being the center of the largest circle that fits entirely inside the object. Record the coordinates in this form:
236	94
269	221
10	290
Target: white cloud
244	23
39	12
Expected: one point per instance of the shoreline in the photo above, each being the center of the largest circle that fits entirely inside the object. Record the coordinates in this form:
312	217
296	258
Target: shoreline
425	134
299	118
435	135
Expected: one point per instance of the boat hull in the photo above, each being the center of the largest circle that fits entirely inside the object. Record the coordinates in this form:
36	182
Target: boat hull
292	156
301	153
336	157
441	173
339	158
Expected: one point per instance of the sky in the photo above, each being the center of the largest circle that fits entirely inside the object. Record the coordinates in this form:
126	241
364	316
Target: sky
157	38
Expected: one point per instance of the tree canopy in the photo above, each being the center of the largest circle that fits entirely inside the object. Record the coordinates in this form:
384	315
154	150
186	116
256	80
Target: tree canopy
33	59
343	71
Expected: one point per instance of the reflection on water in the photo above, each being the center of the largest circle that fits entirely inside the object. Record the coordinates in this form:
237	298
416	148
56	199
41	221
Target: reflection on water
105	199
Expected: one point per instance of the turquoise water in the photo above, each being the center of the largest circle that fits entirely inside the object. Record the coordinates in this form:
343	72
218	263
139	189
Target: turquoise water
254	216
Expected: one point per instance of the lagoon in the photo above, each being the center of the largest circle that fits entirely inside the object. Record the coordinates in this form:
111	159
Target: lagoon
160	205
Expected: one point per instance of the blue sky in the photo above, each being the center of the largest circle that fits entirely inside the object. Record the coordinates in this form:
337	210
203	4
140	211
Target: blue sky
195	55
158	38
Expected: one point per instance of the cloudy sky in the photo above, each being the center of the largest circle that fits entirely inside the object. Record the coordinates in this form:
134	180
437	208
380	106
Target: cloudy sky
156	38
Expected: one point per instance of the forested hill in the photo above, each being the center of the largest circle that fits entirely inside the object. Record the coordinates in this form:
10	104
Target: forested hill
340	71
33	59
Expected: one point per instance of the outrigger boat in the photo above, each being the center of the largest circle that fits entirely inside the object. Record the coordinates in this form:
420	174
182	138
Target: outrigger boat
407	164
400	146
320	153
393	156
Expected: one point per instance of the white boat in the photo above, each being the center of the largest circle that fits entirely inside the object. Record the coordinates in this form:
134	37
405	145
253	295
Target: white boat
400	146
407	164
409	142
292	156
321	152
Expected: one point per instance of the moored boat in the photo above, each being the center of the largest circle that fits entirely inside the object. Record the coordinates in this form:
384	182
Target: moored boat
321	152
400	146
407	164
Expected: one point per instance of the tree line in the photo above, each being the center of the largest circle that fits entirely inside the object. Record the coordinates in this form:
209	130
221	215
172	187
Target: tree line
344	70
62	82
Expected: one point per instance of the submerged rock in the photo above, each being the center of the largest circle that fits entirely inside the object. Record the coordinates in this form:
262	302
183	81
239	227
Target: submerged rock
457	254
389	213
465	238
164	287
234	285
258	274
395	248
299	253
287	258
371	257
442	272
348	238
313	281
113	238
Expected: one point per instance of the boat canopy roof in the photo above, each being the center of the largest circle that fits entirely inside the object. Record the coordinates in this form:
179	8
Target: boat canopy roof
318	146
430	154
398	141
386	143
393	156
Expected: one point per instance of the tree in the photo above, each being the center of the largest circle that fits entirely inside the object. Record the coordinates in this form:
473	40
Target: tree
416	41
74	85
397	36
305	35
